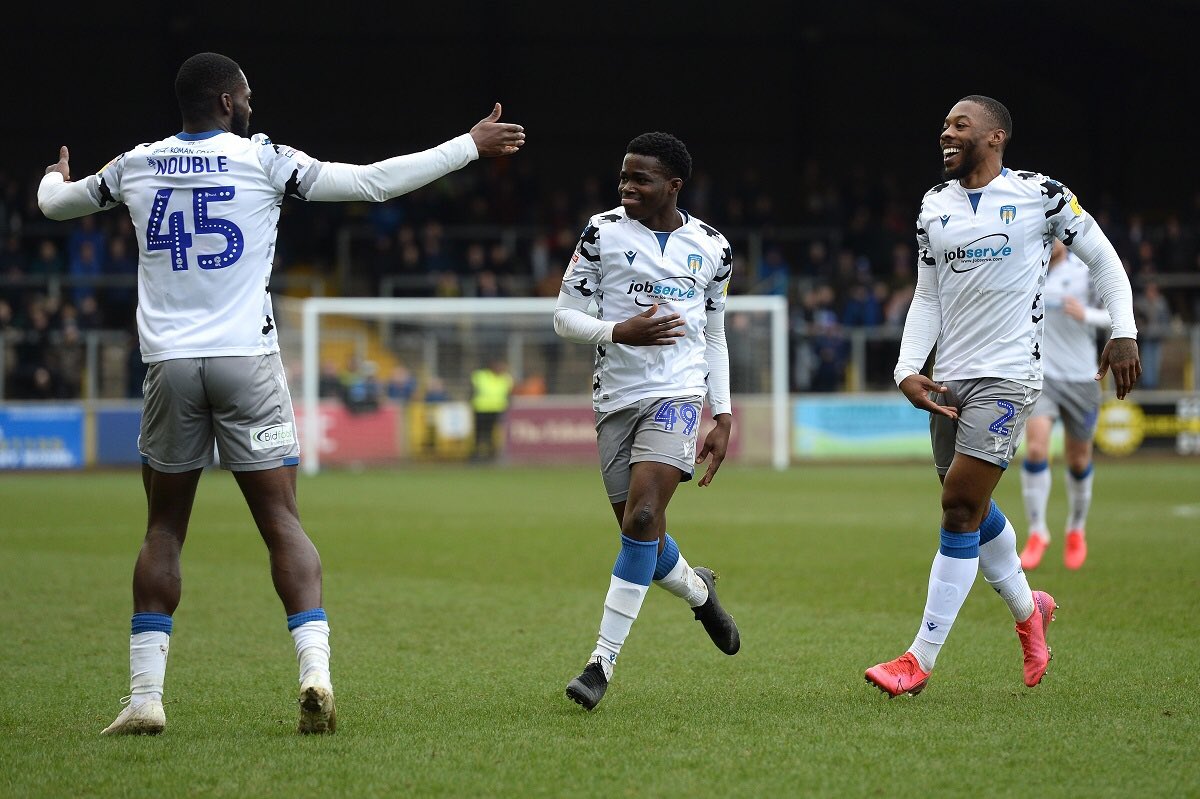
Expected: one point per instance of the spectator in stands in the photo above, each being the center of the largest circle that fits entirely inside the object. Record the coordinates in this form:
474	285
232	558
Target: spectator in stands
49	262
773	273
1153	317
401	385
120	301
84	267
862	308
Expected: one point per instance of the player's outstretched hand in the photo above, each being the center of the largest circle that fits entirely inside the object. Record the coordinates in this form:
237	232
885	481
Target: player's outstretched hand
646	330
63	166
716	443
917	388
495	138
1121	355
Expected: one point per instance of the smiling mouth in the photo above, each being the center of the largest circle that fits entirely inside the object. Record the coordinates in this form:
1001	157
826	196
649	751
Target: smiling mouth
949	152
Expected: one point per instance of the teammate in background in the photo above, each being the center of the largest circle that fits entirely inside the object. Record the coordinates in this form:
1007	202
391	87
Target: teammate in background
205	204
1069	392
659	277
984	239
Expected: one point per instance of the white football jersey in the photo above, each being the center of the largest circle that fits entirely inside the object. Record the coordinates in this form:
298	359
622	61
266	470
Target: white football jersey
620	264
991	261
1070	344
205	208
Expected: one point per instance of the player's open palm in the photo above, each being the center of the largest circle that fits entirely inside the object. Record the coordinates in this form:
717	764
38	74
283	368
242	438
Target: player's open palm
648	330
63	167
716	444
495	138
917	388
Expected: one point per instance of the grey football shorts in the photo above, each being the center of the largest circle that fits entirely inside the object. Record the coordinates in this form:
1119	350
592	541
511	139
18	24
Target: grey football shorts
241	402
991	420
660	429
1076	402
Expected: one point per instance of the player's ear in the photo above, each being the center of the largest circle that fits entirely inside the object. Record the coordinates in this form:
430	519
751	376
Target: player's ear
226	100
675	184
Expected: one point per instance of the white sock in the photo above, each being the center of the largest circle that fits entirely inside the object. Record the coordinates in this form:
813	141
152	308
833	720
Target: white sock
147	666
1001	567
683	582
621	607
949	583
312	648
1079	499
1035	488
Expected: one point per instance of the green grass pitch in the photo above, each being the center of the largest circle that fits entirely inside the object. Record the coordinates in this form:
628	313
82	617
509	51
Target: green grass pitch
462	600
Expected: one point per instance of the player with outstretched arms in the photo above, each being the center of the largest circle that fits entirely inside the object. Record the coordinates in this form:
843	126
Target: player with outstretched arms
1068	393
984	240
658	277
205	204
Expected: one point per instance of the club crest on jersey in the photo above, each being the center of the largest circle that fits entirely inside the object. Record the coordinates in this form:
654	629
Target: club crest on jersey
1008	213
945	219
630	255
694	263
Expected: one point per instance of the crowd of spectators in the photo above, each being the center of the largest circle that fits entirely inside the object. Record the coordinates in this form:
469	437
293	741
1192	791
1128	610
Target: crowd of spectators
841	251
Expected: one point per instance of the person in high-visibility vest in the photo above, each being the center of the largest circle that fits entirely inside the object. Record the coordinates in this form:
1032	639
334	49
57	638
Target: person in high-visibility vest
491	387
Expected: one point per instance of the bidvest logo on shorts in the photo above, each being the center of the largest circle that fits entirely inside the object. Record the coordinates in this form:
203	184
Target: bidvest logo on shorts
277	435
984	250
665	289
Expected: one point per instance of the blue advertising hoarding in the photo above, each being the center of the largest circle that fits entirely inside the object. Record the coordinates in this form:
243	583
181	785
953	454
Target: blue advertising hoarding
41	437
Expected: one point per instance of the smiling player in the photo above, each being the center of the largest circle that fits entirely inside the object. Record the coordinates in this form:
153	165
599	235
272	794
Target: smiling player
659	277
984	240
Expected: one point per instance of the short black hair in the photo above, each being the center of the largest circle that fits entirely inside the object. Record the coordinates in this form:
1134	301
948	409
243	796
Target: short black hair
202	78
670	152
997	113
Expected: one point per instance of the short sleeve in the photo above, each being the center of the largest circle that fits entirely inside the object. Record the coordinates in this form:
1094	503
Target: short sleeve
1065	217
582	278
289	170
106	188
718	288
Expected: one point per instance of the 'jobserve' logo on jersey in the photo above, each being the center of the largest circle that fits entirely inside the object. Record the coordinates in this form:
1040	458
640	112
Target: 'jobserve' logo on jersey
984	250
277	435
665	289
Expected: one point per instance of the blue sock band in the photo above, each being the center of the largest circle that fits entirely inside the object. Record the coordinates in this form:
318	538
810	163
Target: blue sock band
150	623
1035	467
636	561
305	616
667	558
1080	475
993	524
960	545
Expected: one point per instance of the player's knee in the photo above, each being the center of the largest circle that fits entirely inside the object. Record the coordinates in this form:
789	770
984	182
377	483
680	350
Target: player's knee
960	513
640	524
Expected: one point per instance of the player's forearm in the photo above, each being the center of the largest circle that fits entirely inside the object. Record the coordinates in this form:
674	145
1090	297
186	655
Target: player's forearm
1109	278
716	354
574	323
61	200
921	327
384	180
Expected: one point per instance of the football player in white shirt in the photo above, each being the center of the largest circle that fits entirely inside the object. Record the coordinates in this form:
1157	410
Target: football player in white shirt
205	204
1069	393
984	241
659	277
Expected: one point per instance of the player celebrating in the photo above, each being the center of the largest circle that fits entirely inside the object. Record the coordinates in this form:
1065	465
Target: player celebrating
659	277
205	204
1069	392
984	238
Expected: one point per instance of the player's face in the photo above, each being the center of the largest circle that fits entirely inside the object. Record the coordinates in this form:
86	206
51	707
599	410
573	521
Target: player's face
645	187
240	124
964	139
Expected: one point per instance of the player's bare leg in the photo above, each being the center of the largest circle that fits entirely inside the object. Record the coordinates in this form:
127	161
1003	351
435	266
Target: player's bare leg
157	585
296	573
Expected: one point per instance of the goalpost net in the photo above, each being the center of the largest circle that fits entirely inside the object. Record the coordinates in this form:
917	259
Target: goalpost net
385	381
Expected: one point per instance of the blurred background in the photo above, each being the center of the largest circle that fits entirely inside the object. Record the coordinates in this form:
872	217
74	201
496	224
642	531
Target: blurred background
813	132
